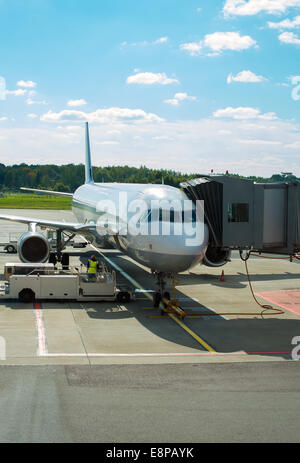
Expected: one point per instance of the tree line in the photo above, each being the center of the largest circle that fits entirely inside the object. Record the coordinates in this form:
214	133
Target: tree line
69	177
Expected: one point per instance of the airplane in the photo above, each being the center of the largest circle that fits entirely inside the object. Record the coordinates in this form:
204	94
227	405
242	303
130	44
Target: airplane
164	255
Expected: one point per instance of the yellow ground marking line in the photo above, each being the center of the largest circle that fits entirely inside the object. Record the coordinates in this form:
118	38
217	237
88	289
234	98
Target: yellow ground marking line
173	317
194	335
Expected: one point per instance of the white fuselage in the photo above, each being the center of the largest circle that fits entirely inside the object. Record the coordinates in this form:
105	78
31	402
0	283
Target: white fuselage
160	252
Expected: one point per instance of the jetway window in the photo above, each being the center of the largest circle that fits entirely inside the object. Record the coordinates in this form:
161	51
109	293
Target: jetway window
238	212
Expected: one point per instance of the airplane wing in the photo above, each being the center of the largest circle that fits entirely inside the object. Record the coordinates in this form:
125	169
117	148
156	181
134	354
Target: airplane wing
47	192
75	227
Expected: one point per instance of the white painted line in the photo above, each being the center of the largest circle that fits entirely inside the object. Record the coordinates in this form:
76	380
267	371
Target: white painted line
42	349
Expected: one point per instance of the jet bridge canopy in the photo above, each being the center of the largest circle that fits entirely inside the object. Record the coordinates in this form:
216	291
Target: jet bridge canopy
242	214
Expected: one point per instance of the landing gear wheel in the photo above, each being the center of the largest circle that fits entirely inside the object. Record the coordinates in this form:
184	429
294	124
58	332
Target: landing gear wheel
167	296
156	300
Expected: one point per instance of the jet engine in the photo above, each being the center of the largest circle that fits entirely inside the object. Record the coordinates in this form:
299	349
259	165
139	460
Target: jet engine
33	247
216	257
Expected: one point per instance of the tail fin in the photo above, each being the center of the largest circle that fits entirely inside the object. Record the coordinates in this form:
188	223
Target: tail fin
88	164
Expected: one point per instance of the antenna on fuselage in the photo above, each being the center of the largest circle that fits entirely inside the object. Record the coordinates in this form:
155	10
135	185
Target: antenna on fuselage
88	164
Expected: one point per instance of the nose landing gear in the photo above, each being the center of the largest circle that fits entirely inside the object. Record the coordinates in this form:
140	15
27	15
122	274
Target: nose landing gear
163	299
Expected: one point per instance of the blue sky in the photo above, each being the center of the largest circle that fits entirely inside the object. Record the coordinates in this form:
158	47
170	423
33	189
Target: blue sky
190	86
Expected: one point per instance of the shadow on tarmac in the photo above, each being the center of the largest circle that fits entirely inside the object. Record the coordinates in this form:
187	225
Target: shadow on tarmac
258	335
253	335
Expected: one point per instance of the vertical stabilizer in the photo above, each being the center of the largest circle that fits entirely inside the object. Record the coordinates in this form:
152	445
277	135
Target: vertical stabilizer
88	164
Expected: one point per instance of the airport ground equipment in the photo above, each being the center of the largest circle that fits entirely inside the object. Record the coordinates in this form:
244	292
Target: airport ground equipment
51	283
11	244
244	215
21	268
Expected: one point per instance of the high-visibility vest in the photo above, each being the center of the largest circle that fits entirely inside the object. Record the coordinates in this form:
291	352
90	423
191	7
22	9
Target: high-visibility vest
93	264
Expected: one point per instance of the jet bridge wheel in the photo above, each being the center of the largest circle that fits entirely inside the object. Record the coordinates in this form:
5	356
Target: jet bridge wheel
26	295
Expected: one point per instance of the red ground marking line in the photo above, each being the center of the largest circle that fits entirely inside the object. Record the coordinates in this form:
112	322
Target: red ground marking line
187	354
41	332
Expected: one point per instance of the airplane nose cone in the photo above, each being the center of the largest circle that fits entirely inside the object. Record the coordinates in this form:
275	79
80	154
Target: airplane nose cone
169	254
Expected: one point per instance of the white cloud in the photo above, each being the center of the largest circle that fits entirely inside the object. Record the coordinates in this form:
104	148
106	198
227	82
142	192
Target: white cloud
109	142
184	96
286	24
102	116
252	7
161	40
180	97
32	116
74	103
224	132
206	142
18	92
243	113
294	146
30	101
26	84
145	43
219	41
259	142
193	48
149	78
245	77
228	41
290	38
161	137
172	101
3	118
114	132
294	80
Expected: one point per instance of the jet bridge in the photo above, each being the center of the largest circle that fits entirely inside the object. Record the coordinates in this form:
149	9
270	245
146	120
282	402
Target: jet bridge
244	215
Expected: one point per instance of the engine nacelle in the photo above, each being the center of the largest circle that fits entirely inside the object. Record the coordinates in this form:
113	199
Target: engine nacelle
33	247
216	257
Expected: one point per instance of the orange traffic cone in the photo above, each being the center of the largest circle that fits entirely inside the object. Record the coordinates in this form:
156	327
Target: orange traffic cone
222	277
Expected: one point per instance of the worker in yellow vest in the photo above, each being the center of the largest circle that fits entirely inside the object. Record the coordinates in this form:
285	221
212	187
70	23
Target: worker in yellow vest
93	265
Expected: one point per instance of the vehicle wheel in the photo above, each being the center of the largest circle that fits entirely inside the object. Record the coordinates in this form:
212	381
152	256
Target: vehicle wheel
156	299
65	261
123	296
10	249
26	295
